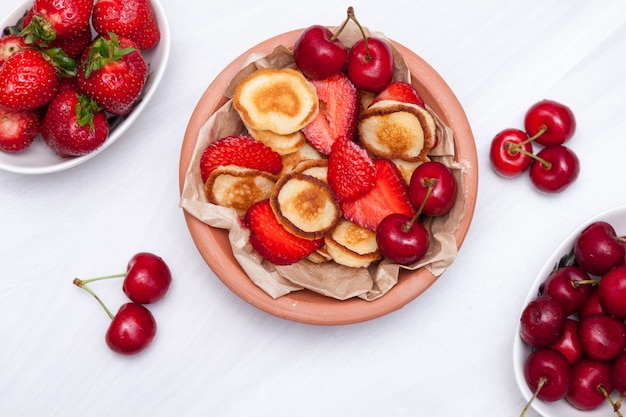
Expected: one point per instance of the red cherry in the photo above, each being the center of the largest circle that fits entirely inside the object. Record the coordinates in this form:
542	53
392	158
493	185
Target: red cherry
618	374
548	374
147	278
592	306
602	337
612	292
402	239
432	186
318	53
569	344
555	118
598	249
542	322
591	384
556	167
510	153
132	329
570	286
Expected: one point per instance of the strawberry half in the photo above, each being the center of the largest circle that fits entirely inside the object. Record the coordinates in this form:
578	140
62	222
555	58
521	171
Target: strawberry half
18	129
400	91
272	241
351	170
339	110
389	195
243	151
134	19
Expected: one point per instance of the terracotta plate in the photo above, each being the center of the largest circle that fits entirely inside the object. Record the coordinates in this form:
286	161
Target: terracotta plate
305	306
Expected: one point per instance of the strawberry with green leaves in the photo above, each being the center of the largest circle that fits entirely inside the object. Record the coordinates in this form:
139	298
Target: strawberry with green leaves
28	80
112	72
339	110
134	19
389	195
74	125
18	129
272	241
57	19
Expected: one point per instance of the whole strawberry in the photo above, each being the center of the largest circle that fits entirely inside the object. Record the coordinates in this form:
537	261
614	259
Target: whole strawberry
133	19
28	80
112	72
74	125
18	129
57	19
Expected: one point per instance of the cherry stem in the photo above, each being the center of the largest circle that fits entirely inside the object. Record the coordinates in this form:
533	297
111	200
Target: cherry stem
431	182
618	403
343	25
581	282
82	284
615	406
542	382
541	131
352	16
511	146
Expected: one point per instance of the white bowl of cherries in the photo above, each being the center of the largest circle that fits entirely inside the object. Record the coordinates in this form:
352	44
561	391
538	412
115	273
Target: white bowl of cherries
571	336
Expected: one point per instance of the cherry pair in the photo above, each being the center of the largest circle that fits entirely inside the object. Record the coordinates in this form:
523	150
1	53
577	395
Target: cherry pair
146	280
553	168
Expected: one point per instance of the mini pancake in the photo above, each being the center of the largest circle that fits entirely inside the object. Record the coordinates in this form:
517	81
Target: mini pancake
395	130
317	168
305	205
280	100
237	187
282	144
305	153
352	245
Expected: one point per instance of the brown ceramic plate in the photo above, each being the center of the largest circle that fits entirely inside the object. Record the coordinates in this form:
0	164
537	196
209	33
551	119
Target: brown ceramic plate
306	306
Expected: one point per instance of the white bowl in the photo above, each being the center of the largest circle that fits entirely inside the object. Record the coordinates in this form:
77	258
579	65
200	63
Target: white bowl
38	158
617	218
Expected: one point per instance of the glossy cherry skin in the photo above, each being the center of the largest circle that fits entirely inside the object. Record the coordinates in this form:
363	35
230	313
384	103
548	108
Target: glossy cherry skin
147	278
542	322
563	284
505	159
558	119
563	169
592	306
317	54
443	194
132	329
612	292
398	244
590	378
569	344
618	374
602	337
370	65
597	249
554	367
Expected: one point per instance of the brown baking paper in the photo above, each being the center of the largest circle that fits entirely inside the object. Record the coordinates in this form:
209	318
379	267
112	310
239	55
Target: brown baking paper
329	279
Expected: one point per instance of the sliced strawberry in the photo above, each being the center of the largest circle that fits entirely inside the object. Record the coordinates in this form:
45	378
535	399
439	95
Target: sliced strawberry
400	91
339	109
272	241
18	129
351	170
243	151
389	195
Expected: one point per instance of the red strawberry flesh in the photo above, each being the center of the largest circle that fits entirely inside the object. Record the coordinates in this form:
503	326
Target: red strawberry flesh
400	91
272	241
339	109
351	170
389	195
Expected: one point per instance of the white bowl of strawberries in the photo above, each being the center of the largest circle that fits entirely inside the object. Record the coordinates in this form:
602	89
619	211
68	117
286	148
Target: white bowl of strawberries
40	134
285	179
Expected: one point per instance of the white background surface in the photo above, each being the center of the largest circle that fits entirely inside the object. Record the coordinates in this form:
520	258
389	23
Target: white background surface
447	353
